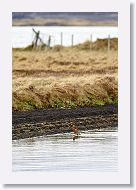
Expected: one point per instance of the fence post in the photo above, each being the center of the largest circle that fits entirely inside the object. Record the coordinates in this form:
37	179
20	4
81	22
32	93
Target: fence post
91	37
109	43
61	38
91	42
49	41
72	40
35	42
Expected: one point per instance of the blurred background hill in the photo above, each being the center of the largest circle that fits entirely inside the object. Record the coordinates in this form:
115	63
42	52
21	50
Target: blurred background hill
65	18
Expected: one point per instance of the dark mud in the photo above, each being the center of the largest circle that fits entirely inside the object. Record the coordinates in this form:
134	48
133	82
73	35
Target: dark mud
51	121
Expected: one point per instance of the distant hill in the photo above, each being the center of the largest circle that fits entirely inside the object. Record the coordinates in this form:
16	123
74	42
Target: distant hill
64	18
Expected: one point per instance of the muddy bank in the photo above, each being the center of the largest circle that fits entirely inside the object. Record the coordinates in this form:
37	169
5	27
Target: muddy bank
51	121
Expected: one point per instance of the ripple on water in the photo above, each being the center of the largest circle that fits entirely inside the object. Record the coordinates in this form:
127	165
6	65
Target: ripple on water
95	150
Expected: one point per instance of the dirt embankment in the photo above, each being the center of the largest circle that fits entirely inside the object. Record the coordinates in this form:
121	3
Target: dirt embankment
52	121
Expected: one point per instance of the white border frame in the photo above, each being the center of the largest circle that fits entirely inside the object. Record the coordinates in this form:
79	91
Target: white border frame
6	174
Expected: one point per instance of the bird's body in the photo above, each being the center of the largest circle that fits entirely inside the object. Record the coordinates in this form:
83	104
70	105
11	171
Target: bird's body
76	130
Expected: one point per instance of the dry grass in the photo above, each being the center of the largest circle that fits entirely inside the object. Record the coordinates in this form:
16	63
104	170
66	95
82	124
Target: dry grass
64	77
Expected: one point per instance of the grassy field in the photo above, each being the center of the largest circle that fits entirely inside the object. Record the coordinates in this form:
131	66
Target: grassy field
65	76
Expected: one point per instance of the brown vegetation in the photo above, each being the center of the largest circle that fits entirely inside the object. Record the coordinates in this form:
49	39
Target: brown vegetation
65	76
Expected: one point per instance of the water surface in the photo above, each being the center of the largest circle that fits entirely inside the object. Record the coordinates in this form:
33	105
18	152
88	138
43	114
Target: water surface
95	150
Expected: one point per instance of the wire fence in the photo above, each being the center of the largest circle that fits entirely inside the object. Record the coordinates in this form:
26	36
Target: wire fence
51	37
72	40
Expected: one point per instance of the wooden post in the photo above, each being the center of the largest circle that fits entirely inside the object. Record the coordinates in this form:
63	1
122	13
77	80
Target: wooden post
91	42
91	37
61	39
36	38
109	43
72	40
49	41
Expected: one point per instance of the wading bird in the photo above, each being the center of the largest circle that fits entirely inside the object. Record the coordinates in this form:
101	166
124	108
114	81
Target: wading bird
76	133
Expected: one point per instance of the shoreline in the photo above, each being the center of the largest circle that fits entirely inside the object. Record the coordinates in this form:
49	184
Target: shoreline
52	121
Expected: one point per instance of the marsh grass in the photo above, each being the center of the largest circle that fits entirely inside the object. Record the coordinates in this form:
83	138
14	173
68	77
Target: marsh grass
103	91
64	77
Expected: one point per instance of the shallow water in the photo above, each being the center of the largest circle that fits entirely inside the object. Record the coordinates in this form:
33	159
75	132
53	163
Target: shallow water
23	36
95	150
